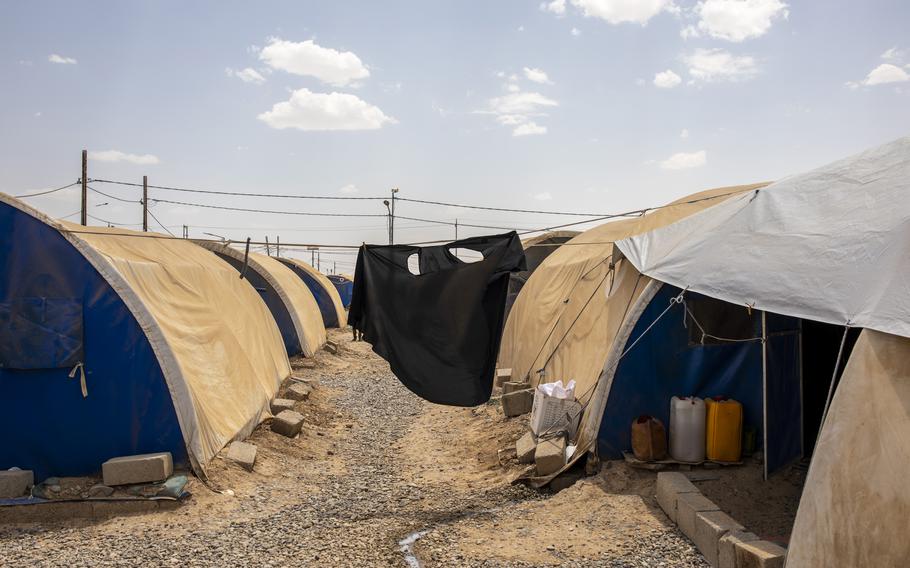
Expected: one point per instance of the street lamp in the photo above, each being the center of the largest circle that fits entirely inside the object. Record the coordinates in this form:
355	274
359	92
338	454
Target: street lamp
389	209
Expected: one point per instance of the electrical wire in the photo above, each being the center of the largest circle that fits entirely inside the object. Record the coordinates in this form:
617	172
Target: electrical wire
269	211
243	194
160	224
77	182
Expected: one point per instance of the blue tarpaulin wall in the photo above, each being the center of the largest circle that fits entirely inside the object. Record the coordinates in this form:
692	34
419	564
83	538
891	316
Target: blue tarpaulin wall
345	288
274	302
323	300
47	425
664	364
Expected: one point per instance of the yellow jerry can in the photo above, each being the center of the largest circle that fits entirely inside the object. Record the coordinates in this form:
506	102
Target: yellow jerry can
723	429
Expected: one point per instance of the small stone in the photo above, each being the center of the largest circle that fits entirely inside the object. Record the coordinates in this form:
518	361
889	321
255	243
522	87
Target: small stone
279	404
242	453
100	490
287	423
298	391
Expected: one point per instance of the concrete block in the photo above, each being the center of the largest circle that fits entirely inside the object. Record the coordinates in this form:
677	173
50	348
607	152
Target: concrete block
726	553
710	526
525	447
759	554
511	386
15	483
298	391
669	485
502	376
144	468
550	455
279	404
287	423
517	403
243	454
687	506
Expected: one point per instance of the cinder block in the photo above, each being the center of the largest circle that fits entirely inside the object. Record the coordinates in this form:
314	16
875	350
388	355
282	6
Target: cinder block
726	553
687	506
502	376
512	386
287	423
525	447
550	455
331	347
279	404
517	403
759	554
298	391
669	485
710	526
144	468
15	483
242	453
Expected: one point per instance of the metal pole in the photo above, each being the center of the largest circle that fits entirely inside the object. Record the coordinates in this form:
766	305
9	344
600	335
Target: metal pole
145	203
267	253
277	246
335	267
456	236
312	257
84	217
392	218
319	260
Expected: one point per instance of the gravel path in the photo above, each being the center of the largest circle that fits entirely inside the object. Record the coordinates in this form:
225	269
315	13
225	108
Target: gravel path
356	517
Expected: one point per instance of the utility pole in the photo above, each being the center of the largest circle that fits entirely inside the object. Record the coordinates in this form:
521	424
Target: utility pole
277	246
267	253
84	217
186	232
319	260
456	236
145	204
392	218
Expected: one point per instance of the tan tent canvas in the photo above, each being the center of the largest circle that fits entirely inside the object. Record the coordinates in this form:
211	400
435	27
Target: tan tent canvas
325	293
305	332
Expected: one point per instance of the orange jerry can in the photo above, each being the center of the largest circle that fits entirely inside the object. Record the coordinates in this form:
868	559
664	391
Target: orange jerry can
723	429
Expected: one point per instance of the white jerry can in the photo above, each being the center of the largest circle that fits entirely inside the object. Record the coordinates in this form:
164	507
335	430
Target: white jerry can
687	429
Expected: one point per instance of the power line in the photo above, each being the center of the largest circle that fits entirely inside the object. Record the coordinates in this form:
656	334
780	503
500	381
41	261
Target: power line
114	197
484	208
243	194
45	192
160	224
270	211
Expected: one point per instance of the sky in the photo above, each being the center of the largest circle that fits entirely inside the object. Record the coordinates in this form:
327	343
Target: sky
588	106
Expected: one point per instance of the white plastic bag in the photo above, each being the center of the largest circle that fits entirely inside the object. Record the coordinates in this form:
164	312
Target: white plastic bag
556	390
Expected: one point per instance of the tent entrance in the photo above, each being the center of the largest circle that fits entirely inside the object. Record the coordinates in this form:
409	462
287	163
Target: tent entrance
798	365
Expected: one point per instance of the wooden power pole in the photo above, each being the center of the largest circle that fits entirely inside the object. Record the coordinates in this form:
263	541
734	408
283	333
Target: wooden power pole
84	217
145	203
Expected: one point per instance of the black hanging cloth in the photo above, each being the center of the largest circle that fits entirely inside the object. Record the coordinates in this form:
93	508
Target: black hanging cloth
439	330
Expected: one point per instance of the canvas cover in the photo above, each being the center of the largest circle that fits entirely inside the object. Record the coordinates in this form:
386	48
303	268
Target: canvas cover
831	245
293	292
855	504
216	342
569	312
325	283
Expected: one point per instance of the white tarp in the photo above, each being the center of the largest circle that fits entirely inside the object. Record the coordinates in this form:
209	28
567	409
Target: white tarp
831	245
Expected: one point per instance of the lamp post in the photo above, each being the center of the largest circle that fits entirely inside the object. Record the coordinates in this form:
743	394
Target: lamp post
389	209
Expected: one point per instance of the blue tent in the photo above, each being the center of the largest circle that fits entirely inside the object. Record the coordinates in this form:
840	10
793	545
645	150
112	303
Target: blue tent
325	293
344	286
89	367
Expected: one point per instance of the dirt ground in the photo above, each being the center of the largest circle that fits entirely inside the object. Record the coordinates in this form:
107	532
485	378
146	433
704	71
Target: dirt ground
373	466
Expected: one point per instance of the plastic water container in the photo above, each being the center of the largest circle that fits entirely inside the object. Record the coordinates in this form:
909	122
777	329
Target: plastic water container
724	429
687	429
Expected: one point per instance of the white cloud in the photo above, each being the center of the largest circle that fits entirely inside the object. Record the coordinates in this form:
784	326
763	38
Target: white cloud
118	156
529	129
521	103
349	188
884	74
306	110
718	65
738	20
545	196
557	7
338	68
893	53
511	119
248	75
684	134
684	160
513	88
620	11
537	76
666	79
55	58
575	32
